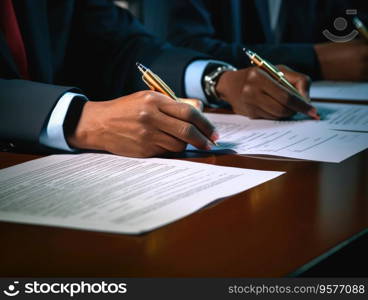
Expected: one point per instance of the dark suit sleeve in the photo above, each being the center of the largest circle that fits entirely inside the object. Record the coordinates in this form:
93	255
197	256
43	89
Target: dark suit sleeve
103	47
24	109
108	41
191	25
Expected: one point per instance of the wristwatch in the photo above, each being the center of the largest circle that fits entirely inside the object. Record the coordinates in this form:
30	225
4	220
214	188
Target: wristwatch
211	76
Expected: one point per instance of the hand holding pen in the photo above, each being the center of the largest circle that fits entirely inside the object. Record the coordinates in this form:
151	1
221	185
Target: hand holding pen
142	124
155	83
253	93
280	77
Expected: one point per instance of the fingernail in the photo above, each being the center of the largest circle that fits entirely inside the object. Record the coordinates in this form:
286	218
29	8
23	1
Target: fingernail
215	136
314	116
313	113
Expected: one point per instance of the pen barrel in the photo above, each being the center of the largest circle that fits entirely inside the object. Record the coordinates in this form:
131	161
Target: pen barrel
276	74
155	83
293	90
279	76
158	85
288	85
270	70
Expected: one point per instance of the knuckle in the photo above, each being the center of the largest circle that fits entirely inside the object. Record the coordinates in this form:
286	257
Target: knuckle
144	116
253	74
143	134
247	90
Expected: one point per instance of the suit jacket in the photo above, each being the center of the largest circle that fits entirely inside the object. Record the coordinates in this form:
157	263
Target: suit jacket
71	45
223	28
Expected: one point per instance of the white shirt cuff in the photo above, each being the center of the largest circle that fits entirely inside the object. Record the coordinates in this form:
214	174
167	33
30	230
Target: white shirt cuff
193	79
53	134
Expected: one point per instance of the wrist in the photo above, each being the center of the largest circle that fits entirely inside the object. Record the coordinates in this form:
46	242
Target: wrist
222	85
87	129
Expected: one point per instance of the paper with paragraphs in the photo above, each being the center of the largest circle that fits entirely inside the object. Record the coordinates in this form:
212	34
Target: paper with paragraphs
103	192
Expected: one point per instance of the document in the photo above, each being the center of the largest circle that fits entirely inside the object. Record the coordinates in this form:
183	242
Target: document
350	117
286	139
338	90
105	192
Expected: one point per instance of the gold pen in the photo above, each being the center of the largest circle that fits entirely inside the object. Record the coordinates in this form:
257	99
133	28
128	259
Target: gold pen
361	27
155	83
275	73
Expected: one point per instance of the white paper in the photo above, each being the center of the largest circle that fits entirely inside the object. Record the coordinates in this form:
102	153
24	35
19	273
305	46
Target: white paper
339	90
338	116
116	194
287	139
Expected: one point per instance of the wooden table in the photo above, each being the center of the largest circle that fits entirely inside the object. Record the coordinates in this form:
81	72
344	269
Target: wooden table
270	230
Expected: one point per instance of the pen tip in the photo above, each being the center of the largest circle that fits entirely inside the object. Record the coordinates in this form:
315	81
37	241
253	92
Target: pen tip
248	52
141	67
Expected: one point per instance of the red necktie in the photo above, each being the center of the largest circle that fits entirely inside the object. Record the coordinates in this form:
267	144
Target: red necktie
13	36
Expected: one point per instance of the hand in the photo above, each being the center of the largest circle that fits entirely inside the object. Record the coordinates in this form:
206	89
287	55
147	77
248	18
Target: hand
143	124
253	93
343	61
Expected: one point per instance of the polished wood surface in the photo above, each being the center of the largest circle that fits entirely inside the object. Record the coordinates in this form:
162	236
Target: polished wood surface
270	230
